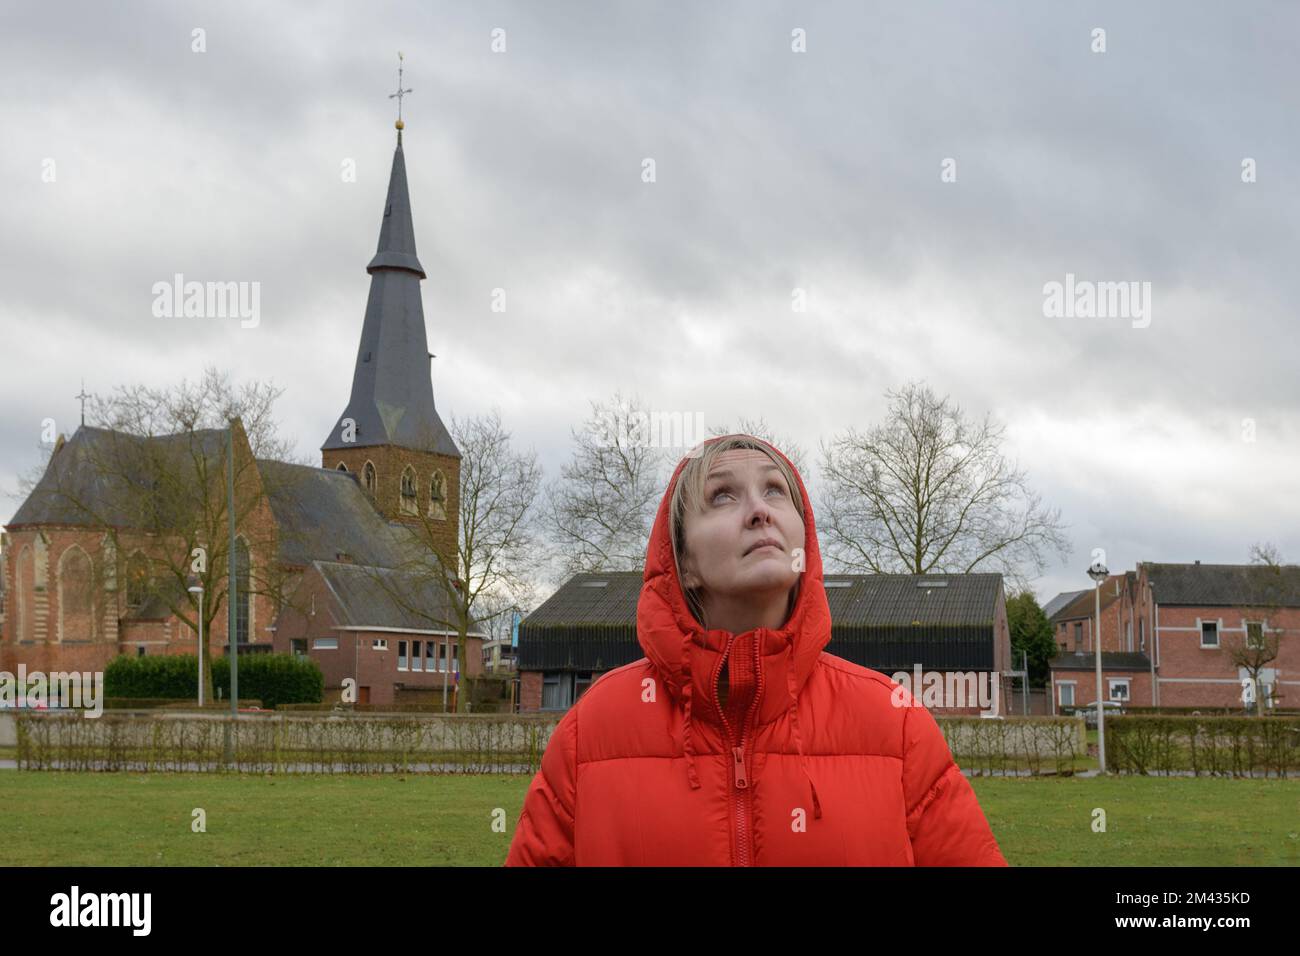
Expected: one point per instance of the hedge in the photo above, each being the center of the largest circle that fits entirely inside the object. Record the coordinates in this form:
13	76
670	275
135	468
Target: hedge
271	678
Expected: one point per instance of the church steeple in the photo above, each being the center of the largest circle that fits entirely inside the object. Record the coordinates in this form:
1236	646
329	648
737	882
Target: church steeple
390	434
392	389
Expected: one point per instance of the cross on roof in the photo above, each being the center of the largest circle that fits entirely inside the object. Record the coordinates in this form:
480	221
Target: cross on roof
400	92
82	396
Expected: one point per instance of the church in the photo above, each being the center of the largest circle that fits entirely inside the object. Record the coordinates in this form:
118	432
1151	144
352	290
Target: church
355	545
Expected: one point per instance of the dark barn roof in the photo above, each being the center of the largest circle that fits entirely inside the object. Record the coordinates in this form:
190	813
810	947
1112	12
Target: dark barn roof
1225	585
886	622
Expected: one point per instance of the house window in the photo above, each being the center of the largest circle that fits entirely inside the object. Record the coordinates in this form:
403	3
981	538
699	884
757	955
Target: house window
139	651
298	647
368	477
325	644
1117	688
379	644
401	655
1209	634
1255	634
438	496
1067	695
415	655
1142	636
1078	635
437	652
408	505
559	691
341	467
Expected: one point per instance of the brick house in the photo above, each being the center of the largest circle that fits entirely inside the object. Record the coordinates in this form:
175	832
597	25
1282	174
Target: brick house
350	544
1167	634
945	623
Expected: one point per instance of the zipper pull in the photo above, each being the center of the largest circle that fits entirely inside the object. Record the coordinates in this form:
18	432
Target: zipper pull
739	754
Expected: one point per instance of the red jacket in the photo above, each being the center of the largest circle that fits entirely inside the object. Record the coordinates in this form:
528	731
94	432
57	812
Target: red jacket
812	766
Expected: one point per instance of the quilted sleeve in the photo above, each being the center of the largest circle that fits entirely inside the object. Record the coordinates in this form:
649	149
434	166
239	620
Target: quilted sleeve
544	834
944	820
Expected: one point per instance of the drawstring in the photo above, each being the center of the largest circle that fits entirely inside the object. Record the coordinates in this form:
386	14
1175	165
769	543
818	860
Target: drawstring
689	751
687	690
794	720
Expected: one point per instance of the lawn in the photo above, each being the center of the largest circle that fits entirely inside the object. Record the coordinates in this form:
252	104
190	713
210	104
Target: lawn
439	820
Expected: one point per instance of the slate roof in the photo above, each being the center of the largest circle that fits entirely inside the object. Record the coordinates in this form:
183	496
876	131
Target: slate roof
1110	661
1060	601
1224	585
1084	603
392	389
96	477
322	513
384	597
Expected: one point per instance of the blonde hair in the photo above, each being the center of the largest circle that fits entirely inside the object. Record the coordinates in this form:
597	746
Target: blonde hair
688	498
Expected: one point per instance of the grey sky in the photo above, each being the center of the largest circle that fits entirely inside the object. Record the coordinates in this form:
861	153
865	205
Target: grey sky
775	170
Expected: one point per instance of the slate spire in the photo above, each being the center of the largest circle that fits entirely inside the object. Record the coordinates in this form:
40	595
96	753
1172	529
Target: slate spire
392	388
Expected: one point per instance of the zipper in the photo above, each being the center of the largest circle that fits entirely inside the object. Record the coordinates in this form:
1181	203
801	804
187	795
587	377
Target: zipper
741	795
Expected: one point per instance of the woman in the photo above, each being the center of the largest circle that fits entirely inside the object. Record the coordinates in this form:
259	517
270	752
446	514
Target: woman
737	740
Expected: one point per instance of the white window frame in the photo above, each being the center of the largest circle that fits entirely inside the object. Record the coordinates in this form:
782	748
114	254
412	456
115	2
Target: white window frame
325	644
1245	626
379	644
1061	685
1218	633
1112	682
401	655
416	660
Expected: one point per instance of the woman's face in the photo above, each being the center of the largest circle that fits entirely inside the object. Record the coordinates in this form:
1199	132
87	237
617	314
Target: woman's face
746	501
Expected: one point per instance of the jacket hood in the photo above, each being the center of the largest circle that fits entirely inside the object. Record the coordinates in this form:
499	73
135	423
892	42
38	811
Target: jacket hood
688	657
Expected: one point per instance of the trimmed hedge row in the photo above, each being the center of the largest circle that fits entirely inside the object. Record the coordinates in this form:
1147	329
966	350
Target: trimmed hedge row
271	678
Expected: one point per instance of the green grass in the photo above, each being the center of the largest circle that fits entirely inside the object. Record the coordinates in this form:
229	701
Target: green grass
89	819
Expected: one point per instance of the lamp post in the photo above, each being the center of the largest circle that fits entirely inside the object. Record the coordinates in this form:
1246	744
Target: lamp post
1099	574
198	589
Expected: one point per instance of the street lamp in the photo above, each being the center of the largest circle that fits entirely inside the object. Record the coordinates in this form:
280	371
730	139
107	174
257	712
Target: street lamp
197	588
1099	574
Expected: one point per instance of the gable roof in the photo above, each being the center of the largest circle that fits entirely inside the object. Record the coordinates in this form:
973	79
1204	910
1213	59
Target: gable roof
101	477
1060	601
389	598
1224	585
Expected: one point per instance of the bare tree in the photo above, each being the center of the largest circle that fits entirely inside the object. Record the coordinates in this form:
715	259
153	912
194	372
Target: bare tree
1271	586
151	473
497	550
600	511
926	491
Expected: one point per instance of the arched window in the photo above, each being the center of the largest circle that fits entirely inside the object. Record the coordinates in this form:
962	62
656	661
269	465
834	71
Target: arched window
407	503
368	477
137	580
438	496
24	578
76	596
340	467
243	580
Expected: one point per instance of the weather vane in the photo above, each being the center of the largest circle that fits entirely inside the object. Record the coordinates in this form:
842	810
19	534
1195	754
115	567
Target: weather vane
399	94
